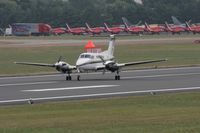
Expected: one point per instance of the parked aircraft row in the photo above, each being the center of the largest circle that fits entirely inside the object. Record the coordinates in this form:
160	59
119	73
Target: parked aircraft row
176	28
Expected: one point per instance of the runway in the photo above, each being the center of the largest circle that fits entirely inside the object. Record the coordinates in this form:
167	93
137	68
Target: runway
19	90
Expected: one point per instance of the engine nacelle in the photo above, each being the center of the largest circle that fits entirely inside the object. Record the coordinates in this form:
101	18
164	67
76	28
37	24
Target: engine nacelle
111	66
62	67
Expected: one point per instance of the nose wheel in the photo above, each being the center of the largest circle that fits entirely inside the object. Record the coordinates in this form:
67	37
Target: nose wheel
68	77
117	76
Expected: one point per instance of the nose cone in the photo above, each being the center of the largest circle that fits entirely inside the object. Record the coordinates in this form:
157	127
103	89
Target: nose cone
81	62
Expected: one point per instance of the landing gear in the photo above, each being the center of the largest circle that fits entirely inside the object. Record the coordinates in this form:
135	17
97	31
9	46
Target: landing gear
78	77
117	76
68	77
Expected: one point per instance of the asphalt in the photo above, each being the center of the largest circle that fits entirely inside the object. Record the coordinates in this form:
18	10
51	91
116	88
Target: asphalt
43	88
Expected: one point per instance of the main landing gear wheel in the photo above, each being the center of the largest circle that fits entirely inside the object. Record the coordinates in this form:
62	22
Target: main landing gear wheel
78	77
117	77
68	78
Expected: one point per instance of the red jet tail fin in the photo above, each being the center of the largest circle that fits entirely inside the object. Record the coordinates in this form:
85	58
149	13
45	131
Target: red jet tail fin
68	27
88	27
147	26
108	29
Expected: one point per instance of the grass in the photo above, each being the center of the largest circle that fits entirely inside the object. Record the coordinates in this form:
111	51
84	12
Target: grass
174	113
177	55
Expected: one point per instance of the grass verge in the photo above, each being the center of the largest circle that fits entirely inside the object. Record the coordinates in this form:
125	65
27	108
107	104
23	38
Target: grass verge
177	55
174	113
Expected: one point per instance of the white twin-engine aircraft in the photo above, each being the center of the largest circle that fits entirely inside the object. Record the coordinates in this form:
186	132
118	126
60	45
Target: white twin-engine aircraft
92	62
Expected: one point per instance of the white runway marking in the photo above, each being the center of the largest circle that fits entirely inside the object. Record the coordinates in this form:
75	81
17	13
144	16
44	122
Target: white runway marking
70	88
21	84
162	75
102	94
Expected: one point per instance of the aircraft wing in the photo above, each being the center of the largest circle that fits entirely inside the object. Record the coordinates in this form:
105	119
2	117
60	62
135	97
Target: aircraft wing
35	64
139	62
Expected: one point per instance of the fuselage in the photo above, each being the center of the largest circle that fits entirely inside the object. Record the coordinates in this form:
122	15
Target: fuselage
91	61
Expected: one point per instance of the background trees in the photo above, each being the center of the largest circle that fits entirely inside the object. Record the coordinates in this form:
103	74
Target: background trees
95	12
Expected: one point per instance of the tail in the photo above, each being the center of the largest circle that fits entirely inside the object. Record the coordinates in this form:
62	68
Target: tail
111	45
176	21
126	26
168	27
108	29
68	27
188	26
125	21
88	27
147	26
139	23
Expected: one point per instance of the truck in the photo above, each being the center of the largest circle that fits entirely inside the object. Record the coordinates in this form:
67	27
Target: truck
8	32
28	29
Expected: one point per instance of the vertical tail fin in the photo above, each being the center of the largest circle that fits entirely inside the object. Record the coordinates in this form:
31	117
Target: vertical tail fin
188	26
168	27
125	20
68	27
147	26
176	21
88	27
111	45
126	26
108	29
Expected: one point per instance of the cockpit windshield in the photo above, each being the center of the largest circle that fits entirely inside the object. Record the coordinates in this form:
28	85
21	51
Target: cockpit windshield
88	56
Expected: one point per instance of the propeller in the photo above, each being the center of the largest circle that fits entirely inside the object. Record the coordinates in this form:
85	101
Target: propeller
63	66
109	65
59	59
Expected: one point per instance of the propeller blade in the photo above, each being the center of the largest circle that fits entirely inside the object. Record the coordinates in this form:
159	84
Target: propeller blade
102	59
59	59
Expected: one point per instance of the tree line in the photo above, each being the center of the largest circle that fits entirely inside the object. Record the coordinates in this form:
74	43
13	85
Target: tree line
95	12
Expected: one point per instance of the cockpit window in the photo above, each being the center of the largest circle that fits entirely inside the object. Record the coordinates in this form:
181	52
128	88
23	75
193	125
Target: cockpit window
82	56
87	56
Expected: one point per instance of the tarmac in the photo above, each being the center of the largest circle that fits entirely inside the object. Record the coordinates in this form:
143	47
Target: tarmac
45	88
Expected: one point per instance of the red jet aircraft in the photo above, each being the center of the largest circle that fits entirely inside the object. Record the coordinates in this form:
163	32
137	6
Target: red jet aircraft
134	29
95	30
58	31
194	29
77	30
154	30
113	30
175	29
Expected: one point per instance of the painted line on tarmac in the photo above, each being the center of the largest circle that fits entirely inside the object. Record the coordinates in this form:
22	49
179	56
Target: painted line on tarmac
71	88
21	84
101	95
162	75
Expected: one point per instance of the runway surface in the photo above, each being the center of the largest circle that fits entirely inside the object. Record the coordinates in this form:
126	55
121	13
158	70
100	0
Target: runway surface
18	90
